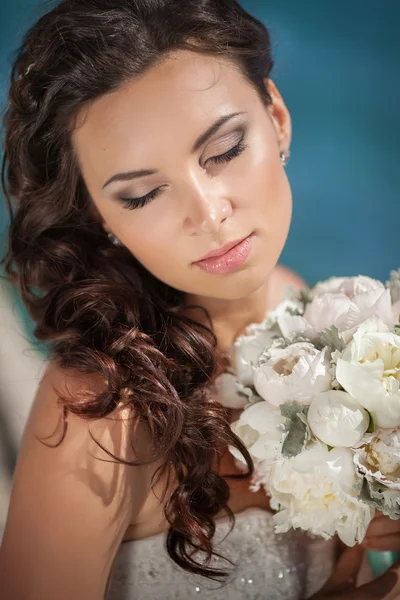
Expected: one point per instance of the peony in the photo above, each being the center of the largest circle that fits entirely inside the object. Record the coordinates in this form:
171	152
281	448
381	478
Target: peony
248	348
350	286
258	337
297	372
384	452
314	491
337	419
230	393
260	427
341	309
369	370
396	311
380	458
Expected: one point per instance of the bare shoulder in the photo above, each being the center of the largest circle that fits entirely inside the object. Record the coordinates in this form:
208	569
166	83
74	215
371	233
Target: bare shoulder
71	502
282	277
46	419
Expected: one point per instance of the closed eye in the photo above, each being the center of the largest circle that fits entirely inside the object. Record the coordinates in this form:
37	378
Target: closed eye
132	203
230	154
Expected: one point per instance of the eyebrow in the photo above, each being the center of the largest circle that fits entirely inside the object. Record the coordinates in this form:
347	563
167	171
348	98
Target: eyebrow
129	175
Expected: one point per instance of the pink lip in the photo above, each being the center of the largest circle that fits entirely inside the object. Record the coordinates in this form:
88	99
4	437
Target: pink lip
227	258
220	251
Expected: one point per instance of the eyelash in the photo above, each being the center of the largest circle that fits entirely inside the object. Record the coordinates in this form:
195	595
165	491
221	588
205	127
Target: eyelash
132	203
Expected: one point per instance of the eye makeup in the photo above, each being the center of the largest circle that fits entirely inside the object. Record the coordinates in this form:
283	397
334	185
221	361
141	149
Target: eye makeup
133	203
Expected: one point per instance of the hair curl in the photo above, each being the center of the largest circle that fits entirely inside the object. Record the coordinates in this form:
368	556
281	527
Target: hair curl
96	307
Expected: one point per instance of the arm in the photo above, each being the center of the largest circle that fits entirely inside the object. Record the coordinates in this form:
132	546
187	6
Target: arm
68	510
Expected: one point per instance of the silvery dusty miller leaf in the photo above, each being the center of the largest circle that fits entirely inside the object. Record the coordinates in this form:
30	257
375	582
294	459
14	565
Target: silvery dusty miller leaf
303	295
296	428
381	497
331	337
282	343
276	330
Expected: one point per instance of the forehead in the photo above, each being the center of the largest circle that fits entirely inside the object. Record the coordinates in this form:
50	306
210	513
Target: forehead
180	96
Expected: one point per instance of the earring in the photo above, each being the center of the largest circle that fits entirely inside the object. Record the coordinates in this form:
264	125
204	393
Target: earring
285	155
114	240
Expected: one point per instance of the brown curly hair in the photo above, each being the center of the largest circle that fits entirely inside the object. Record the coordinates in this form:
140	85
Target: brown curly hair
96	307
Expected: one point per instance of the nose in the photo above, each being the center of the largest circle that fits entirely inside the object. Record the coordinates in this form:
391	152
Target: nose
208	206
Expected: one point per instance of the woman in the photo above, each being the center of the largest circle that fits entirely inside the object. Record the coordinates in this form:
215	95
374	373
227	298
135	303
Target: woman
145	151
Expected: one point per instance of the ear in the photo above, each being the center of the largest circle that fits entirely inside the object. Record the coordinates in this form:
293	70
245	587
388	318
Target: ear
280	116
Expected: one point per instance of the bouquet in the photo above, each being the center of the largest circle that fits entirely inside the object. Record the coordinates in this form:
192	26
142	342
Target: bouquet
319	384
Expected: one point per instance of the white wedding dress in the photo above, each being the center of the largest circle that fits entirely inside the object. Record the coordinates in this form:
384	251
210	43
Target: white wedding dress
268	566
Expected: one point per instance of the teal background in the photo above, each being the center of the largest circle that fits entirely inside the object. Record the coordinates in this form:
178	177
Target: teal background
337	67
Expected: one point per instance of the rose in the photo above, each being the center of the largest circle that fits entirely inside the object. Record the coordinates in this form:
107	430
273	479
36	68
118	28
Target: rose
314	491
337	419
297	372
369	370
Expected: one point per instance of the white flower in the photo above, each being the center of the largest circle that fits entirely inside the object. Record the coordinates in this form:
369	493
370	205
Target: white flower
369	370
297	372
350	286
260	427
385	452
229	392
327	309
314	491
258	337
380	458
337	419
247	349
288	305
396	311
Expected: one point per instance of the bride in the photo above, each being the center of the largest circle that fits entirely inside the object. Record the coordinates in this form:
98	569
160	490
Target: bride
145	153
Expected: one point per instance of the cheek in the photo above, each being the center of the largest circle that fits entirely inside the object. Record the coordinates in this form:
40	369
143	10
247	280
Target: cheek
152	240
279	206
277	213
266	190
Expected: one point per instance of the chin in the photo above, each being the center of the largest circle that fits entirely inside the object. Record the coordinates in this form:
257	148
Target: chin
241	284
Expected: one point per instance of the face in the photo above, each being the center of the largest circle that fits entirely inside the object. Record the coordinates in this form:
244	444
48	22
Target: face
171	193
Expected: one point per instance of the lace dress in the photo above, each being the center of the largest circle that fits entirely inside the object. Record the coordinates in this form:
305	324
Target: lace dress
268	566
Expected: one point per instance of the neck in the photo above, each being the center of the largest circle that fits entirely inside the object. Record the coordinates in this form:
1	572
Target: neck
230	317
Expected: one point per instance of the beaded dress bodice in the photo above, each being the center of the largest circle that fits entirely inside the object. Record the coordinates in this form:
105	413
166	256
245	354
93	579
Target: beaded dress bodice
268	566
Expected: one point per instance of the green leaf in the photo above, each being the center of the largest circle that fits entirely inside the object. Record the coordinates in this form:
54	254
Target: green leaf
329	447
296	428
371	426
